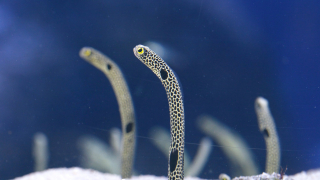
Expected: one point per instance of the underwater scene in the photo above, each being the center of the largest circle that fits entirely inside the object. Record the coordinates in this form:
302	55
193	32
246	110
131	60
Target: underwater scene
216	86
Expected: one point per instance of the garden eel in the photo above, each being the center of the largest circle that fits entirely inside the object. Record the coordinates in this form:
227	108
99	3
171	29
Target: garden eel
170	82
232	144
40	151
120	87
268	129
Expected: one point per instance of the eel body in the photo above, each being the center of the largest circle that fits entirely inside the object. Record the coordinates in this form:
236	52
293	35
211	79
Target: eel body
174	95
268	129
40	151
121	90
232	144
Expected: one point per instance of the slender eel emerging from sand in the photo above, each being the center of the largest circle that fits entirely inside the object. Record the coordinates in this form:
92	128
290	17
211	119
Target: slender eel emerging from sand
232	144
120	87
268	129
40	151
170	82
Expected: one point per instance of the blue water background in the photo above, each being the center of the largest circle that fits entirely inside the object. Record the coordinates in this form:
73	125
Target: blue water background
226	54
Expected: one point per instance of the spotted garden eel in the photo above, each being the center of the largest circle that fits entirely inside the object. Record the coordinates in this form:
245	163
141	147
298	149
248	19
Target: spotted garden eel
170	82
268	129
120	87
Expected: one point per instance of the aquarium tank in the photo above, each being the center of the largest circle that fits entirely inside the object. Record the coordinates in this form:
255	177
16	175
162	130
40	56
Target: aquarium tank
216	86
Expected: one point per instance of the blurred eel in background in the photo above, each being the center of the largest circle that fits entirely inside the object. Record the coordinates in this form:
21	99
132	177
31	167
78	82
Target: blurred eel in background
232	144
98	155
268	129
121	90
40	151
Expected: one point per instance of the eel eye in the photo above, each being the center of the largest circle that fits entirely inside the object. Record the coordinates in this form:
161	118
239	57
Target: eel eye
140	51
87	52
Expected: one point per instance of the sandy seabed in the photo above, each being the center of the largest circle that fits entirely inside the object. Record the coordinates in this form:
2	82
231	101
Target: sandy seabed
77	173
